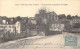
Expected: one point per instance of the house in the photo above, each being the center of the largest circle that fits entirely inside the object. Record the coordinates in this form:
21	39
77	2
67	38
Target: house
12	28
7	29
56	28
32	21
18	27
75	20
11	20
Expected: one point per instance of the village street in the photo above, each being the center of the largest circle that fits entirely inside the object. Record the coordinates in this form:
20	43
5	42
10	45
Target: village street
40	42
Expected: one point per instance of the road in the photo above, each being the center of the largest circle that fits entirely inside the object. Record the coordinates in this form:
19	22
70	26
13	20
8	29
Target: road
40	42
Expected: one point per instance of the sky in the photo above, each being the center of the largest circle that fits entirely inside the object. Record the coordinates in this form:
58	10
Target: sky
13	8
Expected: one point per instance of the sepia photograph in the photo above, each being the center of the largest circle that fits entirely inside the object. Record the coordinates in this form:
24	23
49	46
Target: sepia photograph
39	24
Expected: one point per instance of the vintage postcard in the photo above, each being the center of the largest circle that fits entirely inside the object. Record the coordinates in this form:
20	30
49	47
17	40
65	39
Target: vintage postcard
39	24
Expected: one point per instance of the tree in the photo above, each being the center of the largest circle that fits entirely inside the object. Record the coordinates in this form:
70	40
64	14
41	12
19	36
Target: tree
62	16
18	18
76	16
69	17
